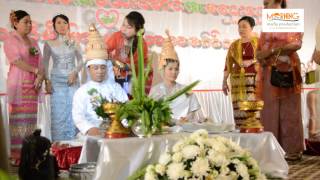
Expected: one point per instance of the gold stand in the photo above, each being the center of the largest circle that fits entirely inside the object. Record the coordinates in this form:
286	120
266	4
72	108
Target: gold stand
115	130
251	124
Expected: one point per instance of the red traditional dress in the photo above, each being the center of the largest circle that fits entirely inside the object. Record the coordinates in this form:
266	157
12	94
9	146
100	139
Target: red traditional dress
119	51
237	54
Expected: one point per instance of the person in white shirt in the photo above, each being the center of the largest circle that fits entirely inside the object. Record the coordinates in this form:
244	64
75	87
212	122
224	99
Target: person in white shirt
99	77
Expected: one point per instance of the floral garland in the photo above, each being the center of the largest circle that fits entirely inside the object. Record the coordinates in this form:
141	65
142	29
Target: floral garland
203	158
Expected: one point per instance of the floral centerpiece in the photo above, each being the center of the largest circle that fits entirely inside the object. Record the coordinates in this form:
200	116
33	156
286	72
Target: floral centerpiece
106	110
97	101
203	158
152	113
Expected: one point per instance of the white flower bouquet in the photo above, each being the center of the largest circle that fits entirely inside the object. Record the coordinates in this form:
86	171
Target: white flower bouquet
200	157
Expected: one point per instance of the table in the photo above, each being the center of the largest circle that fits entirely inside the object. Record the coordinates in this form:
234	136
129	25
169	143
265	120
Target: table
119	158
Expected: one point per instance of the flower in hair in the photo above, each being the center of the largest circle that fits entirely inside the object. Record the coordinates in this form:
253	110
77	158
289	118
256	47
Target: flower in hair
13	18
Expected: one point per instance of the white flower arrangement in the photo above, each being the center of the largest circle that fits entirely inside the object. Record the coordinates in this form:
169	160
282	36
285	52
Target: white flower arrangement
203	158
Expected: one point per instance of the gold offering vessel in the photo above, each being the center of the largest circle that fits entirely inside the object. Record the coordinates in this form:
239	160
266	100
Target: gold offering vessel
115	130
251	124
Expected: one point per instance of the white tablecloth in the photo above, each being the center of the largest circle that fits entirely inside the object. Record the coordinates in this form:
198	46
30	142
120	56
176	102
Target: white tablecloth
119	158
215	105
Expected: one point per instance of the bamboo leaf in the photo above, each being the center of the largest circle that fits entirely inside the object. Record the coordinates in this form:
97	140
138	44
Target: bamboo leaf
134	74
133	66
182	91
141	78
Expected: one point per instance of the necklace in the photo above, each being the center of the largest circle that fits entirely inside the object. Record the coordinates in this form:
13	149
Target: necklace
125	49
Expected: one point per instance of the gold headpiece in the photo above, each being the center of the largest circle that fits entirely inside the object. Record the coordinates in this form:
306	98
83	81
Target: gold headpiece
95	48
167	51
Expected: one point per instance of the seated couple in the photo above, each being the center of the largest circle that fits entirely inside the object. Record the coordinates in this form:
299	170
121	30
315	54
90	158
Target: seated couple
101	78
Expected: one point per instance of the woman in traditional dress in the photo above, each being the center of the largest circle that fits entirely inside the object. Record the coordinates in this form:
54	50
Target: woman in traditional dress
185	106
242	68
119	45
67	63
281	114
25	77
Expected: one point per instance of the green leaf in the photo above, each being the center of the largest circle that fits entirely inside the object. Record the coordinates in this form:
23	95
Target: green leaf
153	113
139	174
141	78
182	91
134	74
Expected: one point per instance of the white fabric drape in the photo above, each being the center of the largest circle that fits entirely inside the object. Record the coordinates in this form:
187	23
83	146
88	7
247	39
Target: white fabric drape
215	106
117	159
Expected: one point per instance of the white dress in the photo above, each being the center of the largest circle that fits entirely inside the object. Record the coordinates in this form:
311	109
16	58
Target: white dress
181	106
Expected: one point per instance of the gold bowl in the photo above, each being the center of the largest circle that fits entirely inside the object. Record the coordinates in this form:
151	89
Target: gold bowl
250	105
110	108
115	130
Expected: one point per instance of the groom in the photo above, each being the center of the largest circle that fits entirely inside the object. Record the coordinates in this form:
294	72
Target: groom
101	78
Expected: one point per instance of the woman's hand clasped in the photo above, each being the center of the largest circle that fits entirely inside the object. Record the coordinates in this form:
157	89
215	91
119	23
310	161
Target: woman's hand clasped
39	79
